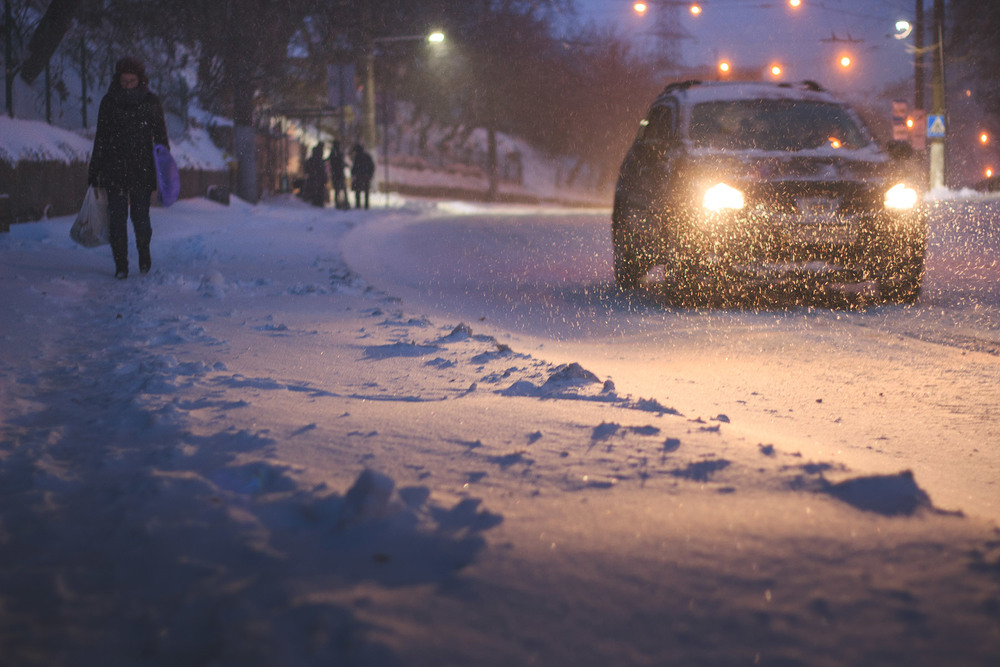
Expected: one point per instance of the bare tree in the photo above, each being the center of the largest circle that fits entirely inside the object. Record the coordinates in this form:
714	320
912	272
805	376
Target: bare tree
48	34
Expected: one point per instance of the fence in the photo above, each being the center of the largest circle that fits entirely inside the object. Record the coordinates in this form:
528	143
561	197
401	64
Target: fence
33	190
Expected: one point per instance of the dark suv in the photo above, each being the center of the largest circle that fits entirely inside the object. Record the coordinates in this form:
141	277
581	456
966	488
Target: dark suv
731	180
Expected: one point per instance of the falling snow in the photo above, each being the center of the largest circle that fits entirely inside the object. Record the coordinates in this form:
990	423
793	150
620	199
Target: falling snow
437	434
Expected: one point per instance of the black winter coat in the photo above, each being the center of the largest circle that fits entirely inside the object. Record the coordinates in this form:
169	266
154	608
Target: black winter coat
362	171
129	123
337	165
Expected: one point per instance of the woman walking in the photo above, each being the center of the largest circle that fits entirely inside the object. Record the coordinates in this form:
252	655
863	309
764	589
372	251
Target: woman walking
129	122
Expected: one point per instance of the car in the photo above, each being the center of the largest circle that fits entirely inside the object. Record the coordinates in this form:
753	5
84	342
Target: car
730	181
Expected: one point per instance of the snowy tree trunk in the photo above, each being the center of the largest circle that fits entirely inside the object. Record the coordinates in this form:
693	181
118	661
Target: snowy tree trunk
492	166
244	140
52	27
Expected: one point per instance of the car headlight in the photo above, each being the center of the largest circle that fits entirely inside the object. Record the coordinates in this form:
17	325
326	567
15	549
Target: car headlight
722	197
900	196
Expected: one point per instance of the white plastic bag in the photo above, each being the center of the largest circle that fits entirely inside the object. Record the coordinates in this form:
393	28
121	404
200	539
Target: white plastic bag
91	226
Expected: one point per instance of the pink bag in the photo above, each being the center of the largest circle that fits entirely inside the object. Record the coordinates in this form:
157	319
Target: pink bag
168	182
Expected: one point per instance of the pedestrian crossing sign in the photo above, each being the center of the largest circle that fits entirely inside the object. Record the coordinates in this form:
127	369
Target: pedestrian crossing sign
935	126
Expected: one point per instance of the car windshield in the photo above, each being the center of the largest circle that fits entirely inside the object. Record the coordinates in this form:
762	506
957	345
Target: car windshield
774	125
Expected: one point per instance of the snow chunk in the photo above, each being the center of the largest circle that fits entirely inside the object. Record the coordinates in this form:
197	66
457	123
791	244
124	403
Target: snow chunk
701	471
604	431
368	498
399	350
560	383
890	495
462	332
570	374
653	405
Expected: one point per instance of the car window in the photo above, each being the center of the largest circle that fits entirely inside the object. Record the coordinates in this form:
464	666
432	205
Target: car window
660	124
775	125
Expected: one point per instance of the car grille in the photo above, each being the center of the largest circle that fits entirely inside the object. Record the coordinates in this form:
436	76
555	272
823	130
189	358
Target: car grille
808	198
807	214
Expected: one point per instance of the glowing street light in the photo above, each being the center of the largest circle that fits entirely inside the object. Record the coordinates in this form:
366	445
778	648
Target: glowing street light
368	101
845	61
988	172
695	9
724	67
775	70
640	7
984	138
903	29
795	3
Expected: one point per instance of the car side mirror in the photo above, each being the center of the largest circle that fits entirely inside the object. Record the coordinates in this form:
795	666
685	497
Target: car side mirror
899	151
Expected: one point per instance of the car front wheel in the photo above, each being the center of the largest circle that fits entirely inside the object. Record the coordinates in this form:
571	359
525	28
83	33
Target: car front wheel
902	278
631	263
900	270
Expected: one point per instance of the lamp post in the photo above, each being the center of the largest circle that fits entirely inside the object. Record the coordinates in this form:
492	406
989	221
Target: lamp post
935	130
371	138
369	100
937	173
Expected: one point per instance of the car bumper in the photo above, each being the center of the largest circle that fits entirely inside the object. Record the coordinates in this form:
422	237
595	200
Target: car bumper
767	237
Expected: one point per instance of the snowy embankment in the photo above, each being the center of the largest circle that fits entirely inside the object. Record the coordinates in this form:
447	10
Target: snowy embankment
251	456
37	141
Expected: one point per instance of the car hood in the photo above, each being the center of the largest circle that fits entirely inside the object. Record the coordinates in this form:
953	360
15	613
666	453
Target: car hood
861	166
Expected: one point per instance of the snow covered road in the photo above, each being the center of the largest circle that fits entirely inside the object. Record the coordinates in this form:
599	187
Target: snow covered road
436	434
870	388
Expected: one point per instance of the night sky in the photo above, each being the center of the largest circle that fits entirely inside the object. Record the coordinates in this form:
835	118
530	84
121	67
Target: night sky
757	33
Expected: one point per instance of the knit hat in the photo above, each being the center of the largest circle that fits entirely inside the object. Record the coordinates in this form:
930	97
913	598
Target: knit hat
130	65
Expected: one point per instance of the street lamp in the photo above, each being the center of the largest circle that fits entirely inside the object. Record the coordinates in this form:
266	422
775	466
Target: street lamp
724	70
903	29
436	37
936	128
845	61
936	153
775	70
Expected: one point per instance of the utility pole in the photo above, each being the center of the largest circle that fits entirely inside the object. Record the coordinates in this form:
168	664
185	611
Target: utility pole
83	80
370	137
8	56
918	58
937	177
48	93
368	103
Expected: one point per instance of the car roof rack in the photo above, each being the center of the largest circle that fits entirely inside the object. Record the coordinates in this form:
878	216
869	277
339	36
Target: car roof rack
807	84
681	85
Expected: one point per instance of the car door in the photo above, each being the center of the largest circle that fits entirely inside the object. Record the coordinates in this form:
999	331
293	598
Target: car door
649	163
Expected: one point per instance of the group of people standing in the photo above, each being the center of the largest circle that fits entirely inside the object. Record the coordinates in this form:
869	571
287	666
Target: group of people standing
362	173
